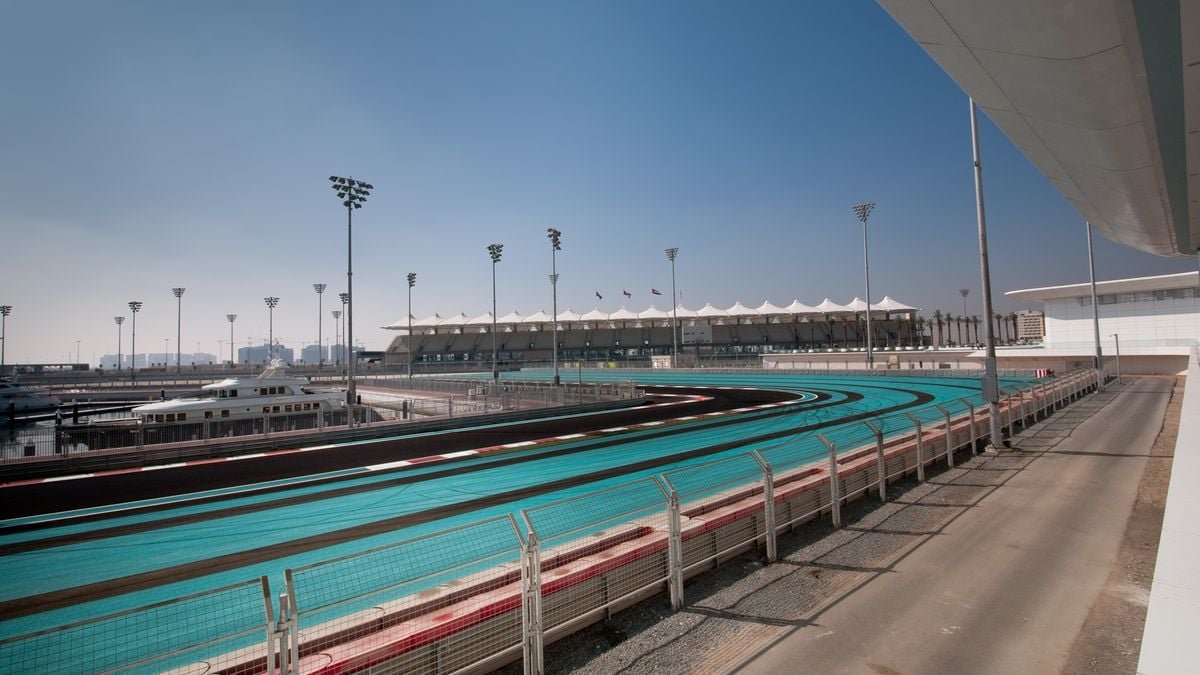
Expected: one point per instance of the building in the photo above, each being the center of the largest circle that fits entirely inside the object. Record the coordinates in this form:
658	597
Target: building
314	354
1031	326
262	354
1154	320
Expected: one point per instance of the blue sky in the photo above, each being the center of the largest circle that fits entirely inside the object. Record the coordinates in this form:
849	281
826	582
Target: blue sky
149	145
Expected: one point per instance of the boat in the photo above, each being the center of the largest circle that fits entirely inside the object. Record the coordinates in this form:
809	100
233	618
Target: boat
271	393
16	399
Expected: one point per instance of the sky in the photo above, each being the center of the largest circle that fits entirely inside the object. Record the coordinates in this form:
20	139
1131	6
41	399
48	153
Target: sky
150	145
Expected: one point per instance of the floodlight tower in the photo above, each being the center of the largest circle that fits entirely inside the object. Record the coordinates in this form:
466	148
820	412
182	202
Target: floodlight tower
337	314
353	194
5	310
320	289
494	250
118	320
555	246
412	281
671	254
178	325
345	298
135	306
863	212
271	302
231	318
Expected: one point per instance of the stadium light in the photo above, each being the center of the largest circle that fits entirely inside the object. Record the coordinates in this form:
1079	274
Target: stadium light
5	310
135	306
337	313
494	250
353	194
863	212
320	289
271	302
671	253
118	320
345	298
178	324
555	246
231	318
412	281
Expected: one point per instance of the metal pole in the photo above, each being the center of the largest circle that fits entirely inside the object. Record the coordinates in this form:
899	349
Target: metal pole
320	289
412	281
1097	361
494	250
1117	340
867	271
671	253
351	394
119	320
232	318
178	326
991	382
554	247
5	310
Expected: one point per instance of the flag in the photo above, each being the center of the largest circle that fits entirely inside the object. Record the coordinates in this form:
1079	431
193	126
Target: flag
655	291
598	296
627	293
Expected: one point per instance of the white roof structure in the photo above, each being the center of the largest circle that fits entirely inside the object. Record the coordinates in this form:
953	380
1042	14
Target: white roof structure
709	311
767	310
539	317
1161	282
1117	137
459	319
653	312
890	305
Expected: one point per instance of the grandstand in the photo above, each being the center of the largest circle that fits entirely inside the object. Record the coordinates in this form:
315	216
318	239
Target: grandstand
626	335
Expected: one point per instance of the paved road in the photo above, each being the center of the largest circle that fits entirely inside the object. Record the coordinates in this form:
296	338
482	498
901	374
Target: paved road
1005	586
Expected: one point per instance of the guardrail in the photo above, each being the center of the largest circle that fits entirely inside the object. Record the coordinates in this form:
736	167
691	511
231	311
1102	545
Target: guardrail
484	594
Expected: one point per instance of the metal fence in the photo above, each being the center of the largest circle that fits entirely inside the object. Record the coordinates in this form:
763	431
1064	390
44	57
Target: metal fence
225	630
480	595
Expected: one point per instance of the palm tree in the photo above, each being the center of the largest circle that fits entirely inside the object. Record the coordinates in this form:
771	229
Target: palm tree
1012	317
937	318
949	323
975	321
919	324
999	318
958	323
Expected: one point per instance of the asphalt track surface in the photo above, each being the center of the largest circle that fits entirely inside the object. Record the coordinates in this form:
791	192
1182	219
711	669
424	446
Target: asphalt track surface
95	535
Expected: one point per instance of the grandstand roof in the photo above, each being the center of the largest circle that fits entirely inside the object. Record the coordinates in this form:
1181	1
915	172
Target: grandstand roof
796	309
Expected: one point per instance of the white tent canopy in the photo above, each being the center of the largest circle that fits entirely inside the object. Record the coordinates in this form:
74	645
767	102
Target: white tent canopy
568	315
798	307
767	309
739	309
511	318
484	319
708	310
595	315
828	306
890	305
685	313
652	312
428	322
623	315
540	317
459	319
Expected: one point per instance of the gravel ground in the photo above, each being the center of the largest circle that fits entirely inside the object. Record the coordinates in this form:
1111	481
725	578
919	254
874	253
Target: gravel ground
737	609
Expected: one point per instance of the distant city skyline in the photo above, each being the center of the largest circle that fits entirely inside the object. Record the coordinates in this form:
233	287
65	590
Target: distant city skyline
153	145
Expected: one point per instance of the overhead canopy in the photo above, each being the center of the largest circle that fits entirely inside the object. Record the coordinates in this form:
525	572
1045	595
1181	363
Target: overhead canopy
708	311
653	313
511	318
568	315
1103	97
890	305
767	309
740	310
539	317
482	319
595	315
622	315
428	322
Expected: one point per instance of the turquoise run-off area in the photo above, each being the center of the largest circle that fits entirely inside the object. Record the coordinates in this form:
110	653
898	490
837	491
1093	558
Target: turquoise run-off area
61	567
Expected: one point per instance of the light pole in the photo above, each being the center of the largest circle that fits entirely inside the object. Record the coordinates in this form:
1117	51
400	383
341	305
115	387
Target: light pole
671	253
555	246
271	302
118	320
990	384
412	281
863	212
494	250
353	194
1117	342
231	318
1099	358
5	310
320	289
345	298
337	313
963	292
166	351
178	326
135	306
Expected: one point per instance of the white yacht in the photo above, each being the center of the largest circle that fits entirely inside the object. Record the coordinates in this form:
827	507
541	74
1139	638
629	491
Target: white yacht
19	399
270	393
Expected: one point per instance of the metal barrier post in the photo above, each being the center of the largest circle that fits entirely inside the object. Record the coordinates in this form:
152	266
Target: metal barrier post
920	448
531	606
675	550
835	492
881	465
292	622
949	437
768	505
974	433
278	637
